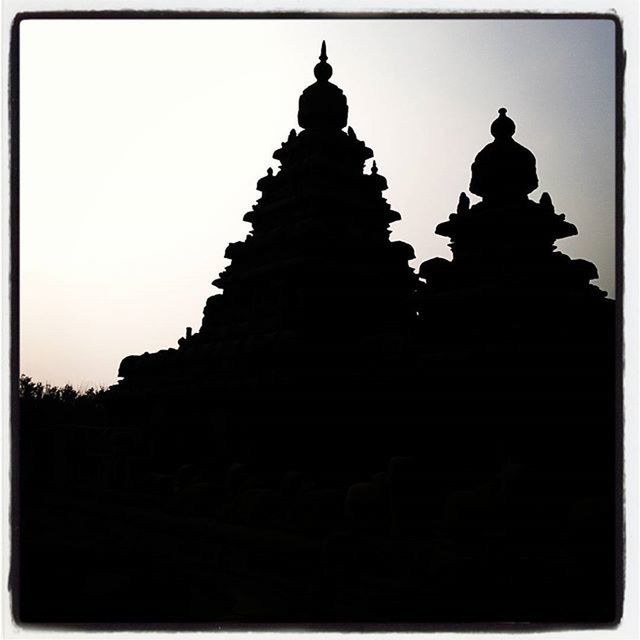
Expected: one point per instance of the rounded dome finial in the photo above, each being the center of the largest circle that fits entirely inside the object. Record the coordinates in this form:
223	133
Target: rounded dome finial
504	170
323	70
503	127
322	105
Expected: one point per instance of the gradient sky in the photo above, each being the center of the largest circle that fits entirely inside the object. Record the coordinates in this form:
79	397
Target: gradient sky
142	142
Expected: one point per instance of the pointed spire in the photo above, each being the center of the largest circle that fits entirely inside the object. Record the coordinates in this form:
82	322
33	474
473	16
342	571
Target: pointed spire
374	168
323	70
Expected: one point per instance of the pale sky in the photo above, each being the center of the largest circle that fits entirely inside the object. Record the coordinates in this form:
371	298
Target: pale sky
142	142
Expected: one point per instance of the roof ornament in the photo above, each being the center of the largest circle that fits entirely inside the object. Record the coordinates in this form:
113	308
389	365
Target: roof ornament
323	70
504	171
322	105
545	202
503	127
379	180
463	203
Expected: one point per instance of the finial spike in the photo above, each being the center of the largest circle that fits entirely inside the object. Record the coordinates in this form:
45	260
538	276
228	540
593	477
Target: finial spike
323	70
323	52
374	168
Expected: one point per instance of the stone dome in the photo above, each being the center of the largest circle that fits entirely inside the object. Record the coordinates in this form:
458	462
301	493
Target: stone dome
322	105
504	170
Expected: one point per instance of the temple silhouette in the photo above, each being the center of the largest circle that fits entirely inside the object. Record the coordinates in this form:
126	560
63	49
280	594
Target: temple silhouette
342	439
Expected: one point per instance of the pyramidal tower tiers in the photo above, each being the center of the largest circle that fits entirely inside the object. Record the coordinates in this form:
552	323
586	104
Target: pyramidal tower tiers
318	263
296	349
310	313
319	256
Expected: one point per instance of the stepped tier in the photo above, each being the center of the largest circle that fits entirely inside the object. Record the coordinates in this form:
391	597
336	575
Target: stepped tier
320	234
509	246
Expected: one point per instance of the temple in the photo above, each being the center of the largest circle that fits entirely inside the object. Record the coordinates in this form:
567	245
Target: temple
343	440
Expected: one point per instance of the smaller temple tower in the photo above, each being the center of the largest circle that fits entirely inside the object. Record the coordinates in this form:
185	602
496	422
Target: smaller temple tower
503	247
521	333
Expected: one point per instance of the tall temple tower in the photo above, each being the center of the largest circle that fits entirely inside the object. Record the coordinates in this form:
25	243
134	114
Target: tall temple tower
316	299
318	261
